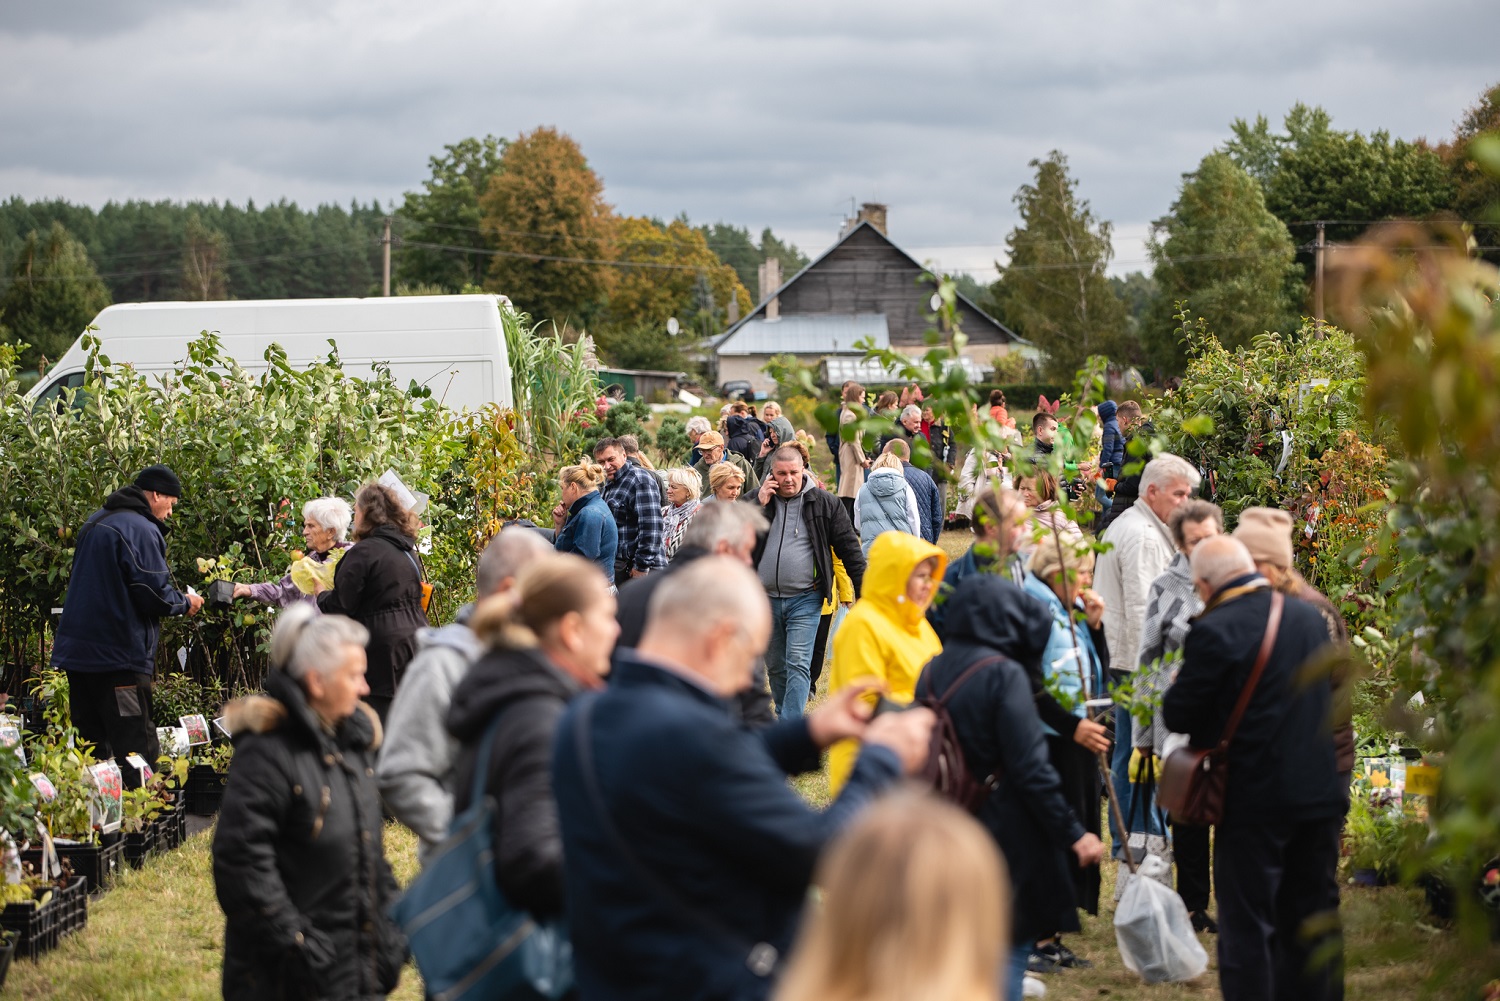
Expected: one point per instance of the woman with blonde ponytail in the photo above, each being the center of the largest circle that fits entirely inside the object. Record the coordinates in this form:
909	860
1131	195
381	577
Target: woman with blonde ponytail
549	639
585	525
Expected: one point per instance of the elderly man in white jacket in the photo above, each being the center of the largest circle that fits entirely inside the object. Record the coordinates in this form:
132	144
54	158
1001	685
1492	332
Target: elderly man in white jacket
1141	548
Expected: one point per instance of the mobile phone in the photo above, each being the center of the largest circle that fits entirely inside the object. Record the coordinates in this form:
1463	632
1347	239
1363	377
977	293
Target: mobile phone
885	705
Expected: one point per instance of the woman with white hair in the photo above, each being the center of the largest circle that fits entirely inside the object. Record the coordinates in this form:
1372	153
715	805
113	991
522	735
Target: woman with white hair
325	529
299	867
683	489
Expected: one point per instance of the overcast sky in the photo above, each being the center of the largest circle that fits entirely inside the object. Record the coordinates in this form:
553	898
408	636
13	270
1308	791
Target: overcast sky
757	113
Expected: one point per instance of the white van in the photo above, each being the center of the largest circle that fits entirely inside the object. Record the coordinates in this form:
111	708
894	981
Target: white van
451	344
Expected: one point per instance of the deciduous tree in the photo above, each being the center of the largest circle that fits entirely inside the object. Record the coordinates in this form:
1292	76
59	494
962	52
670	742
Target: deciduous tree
1476	191
203	275
550	226
446	213
1225	253
1053	290
53	294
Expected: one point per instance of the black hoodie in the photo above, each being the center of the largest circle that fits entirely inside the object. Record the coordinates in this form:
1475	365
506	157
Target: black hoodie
998	727
531	692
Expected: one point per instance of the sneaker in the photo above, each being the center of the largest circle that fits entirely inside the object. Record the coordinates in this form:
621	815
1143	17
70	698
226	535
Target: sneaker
1031	987
1203	923
1041	961
1065	957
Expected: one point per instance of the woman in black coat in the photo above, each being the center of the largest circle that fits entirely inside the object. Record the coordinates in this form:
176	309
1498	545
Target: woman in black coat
299	867
550	638
378	584
995	716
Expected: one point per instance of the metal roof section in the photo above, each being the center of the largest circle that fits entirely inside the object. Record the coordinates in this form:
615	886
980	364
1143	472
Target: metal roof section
805	334
840	370
759	308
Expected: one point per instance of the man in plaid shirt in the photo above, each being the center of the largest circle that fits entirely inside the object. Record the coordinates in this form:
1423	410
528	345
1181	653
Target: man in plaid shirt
633	494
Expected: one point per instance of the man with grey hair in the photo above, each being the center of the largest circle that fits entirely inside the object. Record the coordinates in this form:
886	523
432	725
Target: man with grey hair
1277	845
696	426
1141	547
682	836
415	770
908	426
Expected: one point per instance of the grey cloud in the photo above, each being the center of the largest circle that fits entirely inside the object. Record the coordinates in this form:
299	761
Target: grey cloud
774	113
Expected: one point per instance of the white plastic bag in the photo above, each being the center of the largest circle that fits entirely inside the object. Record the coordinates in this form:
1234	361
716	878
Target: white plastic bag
1154	931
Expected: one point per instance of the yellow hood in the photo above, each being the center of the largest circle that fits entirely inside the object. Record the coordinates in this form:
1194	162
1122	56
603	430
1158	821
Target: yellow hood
893	557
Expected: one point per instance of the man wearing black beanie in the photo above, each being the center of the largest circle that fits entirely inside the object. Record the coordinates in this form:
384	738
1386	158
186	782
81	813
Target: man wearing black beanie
119	591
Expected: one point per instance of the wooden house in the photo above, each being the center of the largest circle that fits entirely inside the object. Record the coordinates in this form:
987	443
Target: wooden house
864	287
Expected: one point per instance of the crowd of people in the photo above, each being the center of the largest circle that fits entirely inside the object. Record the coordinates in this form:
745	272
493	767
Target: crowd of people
631	688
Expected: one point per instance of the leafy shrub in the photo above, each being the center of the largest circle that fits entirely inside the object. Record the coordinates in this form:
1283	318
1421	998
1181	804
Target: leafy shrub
1253	418
250	449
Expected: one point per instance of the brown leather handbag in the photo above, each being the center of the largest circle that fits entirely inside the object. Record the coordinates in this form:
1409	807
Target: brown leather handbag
1193	780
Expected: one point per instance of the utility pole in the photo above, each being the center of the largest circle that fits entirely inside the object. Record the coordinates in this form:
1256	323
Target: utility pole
384	270
1318	248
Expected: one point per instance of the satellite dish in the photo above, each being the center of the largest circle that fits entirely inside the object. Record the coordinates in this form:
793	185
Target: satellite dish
673	326
935	303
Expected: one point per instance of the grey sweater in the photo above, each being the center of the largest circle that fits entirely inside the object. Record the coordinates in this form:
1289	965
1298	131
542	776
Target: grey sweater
786	566
415	770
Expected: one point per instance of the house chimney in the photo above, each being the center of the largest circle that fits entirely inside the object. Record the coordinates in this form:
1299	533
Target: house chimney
770	281
874	214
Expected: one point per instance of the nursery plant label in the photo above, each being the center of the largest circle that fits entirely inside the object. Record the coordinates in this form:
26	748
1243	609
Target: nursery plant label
222	724
10	736
1423	779
139	764
111	798
197	729
173	740
43	786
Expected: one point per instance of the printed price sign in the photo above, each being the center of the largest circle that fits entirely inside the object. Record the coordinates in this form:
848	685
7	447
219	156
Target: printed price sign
1423	780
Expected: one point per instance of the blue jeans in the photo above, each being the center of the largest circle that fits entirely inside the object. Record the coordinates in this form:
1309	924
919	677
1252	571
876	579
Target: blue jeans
1015	971
1145	818
794	628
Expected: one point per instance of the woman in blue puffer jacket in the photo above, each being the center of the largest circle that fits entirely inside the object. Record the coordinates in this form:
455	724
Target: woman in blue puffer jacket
585	524
886	503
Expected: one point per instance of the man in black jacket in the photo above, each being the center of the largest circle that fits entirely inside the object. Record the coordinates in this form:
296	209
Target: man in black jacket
719	529
808	526
118	592
1277	846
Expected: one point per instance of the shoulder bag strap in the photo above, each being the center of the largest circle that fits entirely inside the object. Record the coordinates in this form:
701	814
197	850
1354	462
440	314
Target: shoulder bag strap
482	760
1273	626
963	679
760	958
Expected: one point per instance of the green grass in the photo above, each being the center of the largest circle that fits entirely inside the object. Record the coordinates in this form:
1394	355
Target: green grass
160	934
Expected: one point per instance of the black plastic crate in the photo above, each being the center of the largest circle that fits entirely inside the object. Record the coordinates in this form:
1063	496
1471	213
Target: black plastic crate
72	903
140	844
169	826
35	925
205	790
100	863
8	940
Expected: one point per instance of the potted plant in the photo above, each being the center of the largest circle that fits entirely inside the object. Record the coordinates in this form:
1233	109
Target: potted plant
207	772
1378	839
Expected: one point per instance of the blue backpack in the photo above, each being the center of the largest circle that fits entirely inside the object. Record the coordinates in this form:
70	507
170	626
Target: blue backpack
470	943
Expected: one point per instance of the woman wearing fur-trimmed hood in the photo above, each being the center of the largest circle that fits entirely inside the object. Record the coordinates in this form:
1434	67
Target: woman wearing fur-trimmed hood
299	866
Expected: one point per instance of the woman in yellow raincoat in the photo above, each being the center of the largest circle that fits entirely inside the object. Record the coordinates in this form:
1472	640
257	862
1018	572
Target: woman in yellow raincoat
886	635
